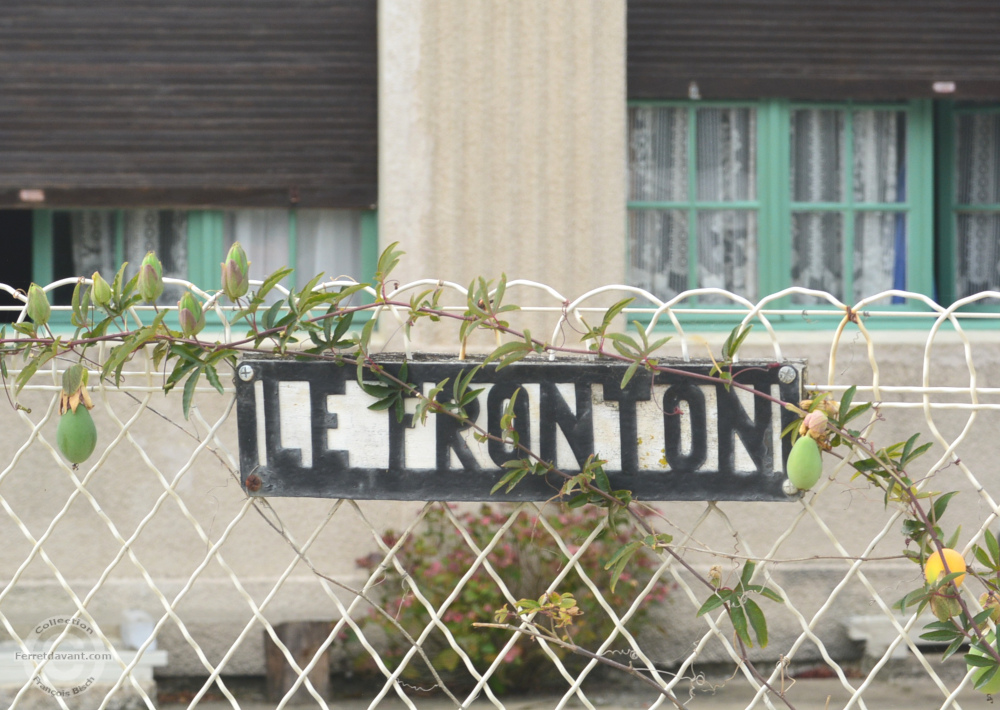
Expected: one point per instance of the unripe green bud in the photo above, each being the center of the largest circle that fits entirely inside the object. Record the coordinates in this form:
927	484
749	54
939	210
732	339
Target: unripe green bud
150	281
38	305
101	290
190	314
235	273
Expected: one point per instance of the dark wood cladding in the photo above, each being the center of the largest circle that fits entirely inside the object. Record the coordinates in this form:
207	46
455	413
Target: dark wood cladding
189	102
806	49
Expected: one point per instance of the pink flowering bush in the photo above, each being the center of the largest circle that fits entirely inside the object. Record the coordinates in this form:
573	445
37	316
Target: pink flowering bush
527	558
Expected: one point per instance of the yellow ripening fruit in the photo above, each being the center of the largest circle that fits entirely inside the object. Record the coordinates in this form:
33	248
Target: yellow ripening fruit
805	464
934	566
993	687
77	434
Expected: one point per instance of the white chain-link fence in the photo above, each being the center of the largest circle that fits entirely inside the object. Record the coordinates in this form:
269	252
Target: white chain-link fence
150	556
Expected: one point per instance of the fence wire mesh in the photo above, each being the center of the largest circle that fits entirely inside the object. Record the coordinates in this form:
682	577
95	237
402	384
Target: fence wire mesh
156	524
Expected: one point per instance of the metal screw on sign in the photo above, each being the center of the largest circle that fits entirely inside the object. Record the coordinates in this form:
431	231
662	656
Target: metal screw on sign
787	375
246	373
789	488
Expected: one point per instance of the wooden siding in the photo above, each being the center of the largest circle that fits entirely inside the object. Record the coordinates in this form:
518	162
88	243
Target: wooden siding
835	49
189	102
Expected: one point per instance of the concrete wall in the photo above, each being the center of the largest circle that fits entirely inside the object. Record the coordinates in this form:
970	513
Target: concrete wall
502	139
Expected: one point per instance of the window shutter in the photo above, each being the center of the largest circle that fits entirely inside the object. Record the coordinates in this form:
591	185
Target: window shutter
188	103
835	49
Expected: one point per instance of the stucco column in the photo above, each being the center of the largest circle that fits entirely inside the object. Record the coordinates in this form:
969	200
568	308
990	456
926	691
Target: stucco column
502	139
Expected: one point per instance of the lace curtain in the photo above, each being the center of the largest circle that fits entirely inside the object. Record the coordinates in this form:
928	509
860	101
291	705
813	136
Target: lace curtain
726	240
977	234
878	170
92	234
327	241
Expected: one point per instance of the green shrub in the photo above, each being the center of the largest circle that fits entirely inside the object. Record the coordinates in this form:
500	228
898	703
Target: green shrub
527	559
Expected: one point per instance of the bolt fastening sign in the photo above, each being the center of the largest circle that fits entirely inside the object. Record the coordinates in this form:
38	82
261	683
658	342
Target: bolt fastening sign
307	429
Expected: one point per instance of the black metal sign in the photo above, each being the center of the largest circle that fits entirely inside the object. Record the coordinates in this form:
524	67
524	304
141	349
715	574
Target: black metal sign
305	429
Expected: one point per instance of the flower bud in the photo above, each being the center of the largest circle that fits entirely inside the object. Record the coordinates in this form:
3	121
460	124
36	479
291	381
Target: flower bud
38	305
235	273
101	290
190	314
814	424
991	601
150	281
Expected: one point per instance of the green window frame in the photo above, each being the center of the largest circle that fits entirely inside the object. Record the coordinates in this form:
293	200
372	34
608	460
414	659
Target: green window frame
950	209
205	248
774	205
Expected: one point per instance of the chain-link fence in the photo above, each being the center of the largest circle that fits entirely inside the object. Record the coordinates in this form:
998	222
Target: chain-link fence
151	559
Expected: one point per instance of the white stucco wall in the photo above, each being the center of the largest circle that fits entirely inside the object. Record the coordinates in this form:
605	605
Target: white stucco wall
502	139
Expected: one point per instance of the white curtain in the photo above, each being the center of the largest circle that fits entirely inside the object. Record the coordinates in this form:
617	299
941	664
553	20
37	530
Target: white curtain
659	172
977	178
143	230
877	176
327	241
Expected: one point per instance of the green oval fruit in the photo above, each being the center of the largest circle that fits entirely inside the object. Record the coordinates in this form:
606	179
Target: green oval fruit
76	435
993	687
805	465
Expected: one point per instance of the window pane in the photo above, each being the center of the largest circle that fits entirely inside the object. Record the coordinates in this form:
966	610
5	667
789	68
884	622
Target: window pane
727	154
657	152
817	143
162	231
817	254
263	235
977	159
977	247
879	156
91	236
658	251
879	253
329	241
727	253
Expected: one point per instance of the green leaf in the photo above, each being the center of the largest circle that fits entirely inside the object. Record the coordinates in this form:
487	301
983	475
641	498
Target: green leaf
942	636
272	313
509	353
855	413
983	556
974	659
845	403
510	479
713	602
620	559
953	540
628	374
734	341
953	648
757	621
748	568
189	386
771	594
740	624
991	543
940	505
271	281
